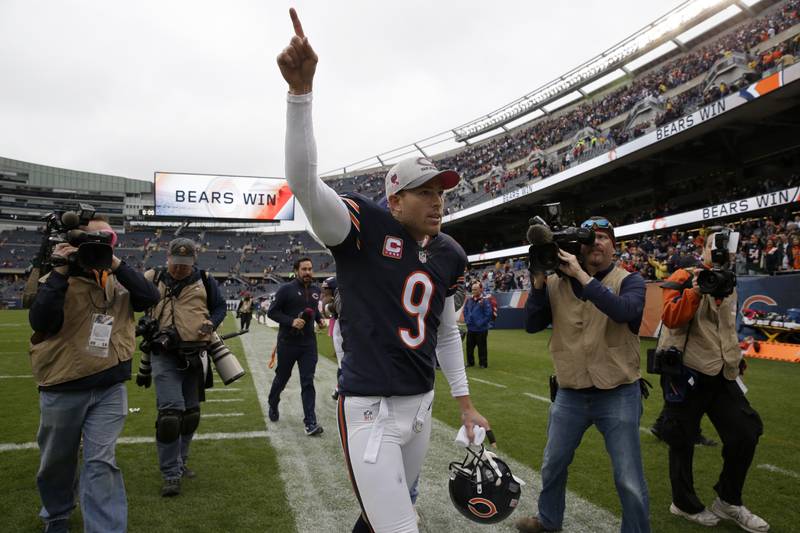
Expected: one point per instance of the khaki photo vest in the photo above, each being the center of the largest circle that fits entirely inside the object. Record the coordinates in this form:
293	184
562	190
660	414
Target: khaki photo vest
64	356
712	343
588	348
191	309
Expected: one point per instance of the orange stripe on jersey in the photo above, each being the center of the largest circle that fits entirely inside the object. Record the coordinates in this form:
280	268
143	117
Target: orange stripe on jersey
352	204
346	450
355	221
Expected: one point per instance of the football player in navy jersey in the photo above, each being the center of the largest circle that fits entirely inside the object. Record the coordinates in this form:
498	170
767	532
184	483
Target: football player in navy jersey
397	274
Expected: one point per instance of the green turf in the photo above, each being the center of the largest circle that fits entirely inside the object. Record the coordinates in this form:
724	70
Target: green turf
238	487
521	362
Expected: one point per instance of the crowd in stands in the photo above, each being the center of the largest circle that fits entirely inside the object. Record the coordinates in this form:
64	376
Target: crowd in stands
479	163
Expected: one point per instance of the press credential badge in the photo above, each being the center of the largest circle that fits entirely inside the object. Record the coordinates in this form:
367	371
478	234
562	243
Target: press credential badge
100	337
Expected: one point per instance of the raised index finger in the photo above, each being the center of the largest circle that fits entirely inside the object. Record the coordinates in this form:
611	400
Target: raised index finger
298	28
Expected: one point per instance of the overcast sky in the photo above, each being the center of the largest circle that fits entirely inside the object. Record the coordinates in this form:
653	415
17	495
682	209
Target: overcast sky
127	88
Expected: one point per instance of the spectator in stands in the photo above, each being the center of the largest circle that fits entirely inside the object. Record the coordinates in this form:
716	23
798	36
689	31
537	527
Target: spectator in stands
753	252
477	316
772	256
705	325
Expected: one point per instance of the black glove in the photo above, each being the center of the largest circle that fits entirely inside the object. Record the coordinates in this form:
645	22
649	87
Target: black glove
144	380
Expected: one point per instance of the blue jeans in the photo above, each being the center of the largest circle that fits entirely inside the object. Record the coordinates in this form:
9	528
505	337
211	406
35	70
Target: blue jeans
616	414
175	389
97	415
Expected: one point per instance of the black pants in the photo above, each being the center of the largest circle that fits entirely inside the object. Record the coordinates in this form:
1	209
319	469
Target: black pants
738	425
244	320
306	359
477	338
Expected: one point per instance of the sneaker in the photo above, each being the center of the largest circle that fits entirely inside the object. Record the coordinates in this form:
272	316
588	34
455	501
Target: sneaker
273	413
188	473
531	524
741	515
171	487
313	429
702	440
704	517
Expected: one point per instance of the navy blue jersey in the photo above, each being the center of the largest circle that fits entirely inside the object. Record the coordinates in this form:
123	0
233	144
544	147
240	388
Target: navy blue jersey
393	292
291	300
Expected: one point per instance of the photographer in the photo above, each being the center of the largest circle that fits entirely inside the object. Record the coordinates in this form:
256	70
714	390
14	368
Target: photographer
699	320
180	328
81	350
596	309
295	309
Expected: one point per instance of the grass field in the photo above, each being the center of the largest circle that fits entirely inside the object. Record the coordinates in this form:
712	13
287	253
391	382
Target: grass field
239	488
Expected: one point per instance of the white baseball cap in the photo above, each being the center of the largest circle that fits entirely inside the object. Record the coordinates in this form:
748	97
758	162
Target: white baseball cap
416	171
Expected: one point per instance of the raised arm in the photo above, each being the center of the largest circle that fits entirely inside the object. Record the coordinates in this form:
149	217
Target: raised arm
326	212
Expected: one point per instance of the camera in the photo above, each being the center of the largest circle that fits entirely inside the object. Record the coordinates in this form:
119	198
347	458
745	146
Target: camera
154	339
225	362
720	280
94	249
668	362
548	237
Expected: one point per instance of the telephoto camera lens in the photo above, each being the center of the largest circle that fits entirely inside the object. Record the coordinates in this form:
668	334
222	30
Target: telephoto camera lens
225	362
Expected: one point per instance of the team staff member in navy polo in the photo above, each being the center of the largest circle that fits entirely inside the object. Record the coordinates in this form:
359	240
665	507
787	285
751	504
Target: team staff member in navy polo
296	309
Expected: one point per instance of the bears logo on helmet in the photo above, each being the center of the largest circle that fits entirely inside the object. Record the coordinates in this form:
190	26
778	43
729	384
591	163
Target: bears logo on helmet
483	488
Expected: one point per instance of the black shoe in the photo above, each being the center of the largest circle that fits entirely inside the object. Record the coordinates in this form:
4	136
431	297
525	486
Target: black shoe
171	487
469	365
313	429
702	440
188	473
484	366
335	395
273	413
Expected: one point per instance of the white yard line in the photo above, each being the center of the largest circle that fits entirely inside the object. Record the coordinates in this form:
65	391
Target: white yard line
779	470
144	440
489	383
224	400
223	389
24	376
316	482
537	397
220	415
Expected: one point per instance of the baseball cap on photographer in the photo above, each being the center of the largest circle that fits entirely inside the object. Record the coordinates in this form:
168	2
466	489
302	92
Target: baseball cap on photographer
182	251
416	171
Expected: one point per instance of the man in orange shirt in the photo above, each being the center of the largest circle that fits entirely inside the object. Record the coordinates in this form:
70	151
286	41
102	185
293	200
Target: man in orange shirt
704	326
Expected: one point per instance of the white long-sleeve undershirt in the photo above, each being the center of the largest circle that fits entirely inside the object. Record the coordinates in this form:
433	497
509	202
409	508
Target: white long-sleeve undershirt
326	212
330	220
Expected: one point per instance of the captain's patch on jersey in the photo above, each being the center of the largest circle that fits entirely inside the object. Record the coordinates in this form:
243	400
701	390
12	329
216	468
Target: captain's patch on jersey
393	247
